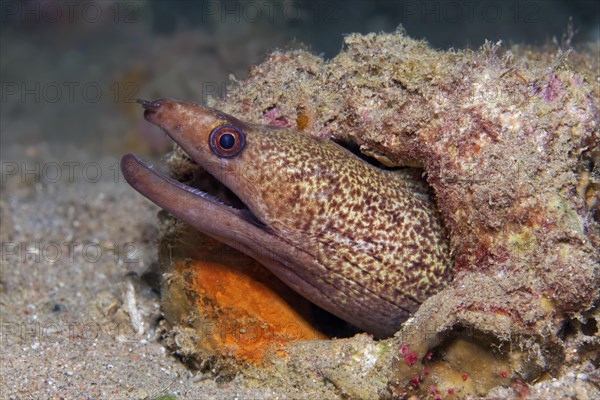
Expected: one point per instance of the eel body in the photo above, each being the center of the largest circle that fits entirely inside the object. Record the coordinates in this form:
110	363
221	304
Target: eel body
363	243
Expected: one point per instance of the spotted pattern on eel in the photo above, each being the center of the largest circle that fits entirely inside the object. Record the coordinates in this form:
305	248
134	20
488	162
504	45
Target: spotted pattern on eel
363	243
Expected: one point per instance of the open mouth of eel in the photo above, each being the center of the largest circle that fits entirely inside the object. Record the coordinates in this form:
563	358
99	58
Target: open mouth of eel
200	194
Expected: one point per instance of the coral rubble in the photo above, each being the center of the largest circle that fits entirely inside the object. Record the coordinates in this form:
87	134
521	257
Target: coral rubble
508	141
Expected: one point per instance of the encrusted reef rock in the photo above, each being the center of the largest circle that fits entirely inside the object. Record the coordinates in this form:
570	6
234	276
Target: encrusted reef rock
508	141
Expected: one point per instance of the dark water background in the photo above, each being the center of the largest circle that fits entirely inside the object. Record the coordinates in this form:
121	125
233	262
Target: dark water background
70	70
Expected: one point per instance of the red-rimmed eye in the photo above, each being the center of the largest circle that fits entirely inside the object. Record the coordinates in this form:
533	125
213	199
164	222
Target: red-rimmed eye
227	140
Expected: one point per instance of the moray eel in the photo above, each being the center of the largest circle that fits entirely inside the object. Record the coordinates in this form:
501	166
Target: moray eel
363	243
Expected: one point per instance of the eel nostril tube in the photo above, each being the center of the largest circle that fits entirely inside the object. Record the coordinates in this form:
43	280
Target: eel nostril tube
150	105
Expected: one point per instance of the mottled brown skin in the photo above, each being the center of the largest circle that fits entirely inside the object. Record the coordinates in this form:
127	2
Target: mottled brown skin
363	243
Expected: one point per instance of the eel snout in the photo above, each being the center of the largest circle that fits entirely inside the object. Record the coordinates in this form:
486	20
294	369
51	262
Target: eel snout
150	106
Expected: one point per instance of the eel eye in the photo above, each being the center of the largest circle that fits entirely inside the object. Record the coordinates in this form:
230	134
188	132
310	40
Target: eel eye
227	141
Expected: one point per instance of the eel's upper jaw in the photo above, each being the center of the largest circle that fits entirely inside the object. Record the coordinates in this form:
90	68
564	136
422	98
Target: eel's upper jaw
199	209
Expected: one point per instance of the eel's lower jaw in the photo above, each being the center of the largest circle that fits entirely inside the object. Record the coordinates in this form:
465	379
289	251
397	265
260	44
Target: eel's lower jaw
197	208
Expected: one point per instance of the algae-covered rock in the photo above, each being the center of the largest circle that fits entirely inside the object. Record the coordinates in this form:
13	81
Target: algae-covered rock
508	141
